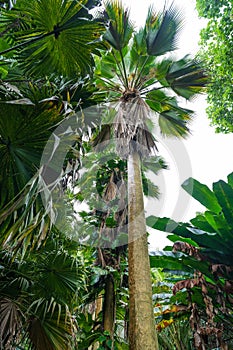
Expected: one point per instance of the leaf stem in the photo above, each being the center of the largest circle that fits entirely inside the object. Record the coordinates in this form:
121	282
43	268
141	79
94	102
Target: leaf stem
141	72
121	75
124	69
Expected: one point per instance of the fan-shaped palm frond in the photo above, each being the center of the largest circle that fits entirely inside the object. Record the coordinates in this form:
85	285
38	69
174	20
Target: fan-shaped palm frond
36	307
120	28
186	77
11	322
162	31
20	154
54	35
172	124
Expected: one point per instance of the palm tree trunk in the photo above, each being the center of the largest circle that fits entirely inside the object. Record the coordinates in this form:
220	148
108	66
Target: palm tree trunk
142	333
109	306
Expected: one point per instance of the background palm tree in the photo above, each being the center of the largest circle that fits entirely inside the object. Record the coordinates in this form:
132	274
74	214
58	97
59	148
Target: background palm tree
134	71
40	294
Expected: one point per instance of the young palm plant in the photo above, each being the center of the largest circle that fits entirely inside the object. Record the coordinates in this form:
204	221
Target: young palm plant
136	71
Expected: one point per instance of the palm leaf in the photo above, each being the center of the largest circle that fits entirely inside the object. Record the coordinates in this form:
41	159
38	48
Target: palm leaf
47	335
162	31
160	102
57	40
173	120
11	323
154	164
187	78
120	28
149	188
171	124
20	154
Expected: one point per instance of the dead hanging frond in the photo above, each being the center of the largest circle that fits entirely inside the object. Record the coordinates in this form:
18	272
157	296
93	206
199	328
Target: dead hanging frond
122	194
130	130
111	190
103	137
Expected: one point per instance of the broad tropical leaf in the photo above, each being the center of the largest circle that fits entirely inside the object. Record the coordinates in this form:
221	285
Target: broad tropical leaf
203	249
203	194
224	194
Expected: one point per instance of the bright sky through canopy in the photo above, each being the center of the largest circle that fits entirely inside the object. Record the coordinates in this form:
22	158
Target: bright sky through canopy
205	155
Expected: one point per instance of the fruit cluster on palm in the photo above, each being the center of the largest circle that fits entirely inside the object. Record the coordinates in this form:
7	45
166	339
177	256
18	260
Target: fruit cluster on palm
45	39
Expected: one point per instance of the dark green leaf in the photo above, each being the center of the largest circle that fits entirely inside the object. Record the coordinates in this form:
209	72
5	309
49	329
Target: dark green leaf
230	179
203	194
186	77
120	28
162	31
224	194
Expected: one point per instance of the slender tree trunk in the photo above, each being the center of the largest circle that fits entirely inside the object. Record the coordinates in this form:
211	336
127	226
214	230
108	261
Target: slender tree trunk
109	306
142	333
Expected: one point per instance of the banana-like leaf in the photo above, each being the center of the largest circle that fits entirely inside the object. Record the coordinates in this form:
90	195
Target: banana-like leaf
203	239
203	194
230	179
218	224
224	195
203	248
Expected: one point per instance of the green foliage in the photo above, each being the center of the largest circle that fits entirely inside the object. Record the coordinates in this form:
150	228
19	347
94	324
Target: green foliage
202	254
61	40
39	295
134	68
216	50
45	302
162	31
120	28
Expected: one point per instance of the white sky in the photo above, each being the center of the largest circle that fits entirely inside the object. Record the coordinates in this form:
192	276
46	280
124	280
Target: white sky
205	155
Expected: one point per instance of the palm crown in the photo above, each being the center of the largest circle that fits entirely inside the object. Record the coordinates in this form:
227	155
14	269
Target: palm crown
136	70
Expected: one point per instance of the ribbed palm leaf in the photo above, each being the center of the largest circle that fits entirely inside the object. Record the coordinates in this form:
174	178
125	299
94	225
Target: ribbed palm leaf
39	295
52	36
20	153
36	110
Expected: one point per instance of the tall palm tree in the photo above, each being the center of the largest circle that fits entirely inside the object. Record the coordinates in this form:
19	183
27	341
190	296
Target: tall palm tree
136	70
